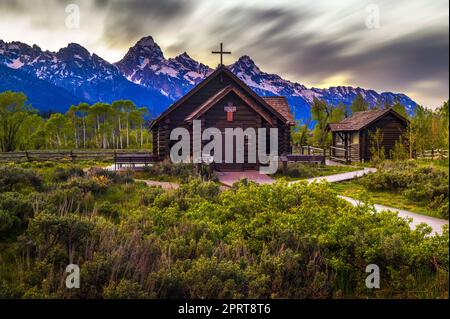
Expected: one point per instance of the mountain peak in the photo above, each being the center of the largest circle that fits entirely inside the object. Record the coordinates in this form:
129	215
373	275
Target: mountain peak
184	55
146	41
245	64
246	59
75	48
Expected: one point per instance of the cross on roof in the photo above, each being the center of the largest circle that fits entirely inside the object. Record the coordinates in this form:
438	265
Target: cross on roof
221	52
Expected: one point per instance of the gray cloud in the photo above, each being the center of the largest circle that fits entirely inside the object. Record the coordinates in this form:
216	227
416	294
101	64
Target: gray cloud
303	41
130	20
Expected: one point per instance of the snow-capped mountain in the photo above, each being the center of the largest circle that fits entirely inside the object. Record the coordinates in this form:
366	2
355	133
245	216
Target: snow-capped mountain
301	97
86	76
148	78
145	64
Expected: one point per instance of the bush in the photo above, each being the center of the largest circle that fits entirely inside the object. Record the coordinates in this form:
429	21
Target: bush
426	185
125	289
149	195
15	210
108	210
112	176
180	171
61	174
16	178
93	184
299	170
63	200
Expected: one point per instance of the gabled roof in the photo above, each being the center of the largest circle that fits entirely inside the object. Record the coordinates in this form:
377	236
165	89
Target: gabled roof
220	95
360	120
241	85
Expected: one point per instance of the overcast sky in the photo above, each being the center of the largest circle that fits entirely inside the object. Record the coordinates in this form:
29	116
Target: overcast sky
316	43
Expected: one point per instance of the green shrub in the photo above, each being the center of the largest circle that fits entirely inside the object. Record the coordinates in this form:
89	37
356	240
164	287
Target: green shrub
419	184
149	195
108	210
62	174
95	185
113	176
15	211
125	289
180	171
16	178
299	170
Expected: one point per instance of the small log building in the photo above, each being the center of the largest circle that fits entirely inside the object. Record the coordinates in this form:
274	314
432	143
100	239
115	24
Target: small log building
352	136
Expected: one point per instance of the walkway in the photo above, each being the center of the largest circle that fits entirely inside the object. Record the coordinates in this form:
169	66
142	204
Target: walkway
342	176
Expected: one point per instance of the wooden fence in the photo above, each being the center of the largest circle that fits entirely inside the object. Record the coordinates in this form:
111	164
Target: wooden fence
71	155
433	154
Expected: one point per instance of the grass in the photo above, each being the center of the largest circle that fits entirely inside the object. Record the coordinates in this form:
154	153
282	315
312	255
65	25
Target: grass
304	171
387	198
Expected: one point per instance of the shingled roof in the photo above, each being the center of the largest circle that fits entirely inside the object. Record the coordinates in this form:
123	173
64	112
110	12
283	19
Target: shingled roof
280	104
359	120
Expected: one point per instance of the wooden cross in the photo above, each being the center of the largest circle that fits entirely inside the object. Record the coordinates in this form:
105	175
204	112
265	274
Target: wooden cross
230	109
221	52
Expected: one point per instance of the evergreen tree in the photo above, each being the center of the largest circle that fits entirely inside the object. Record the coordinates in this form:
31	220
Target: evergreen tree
359	104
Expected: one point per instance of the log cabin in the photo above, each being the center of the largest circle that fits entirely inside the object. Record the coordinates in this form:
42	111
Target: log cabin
351	138
222	101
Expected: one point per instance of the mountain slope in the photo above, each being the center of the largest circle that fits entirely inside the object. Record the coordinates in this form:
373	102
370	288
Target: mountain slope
42	95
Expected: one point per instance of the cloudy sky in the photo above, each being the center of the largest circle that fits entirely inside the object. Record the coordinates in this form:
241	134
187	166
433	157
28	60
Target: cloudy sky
399	46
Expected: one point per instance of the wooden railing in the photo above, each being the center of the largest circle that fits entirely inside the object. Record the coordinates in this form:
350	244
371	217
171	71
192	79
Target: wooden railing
433	154
339	154
71	155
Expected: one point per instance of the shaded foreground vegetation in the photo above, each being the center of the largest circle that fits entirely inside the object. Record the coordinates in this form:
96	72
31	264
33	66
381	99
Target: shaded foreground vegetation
134	241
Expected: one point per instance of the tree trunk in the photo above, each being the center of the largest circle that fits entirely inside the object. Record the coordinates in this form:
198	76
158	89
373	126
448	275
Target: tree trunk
84	132
120	133
128	133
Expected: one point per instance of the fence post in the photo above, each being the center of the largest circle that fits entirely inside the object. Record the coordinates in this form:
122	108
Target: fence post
285	162
28	156
309	150
115	160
